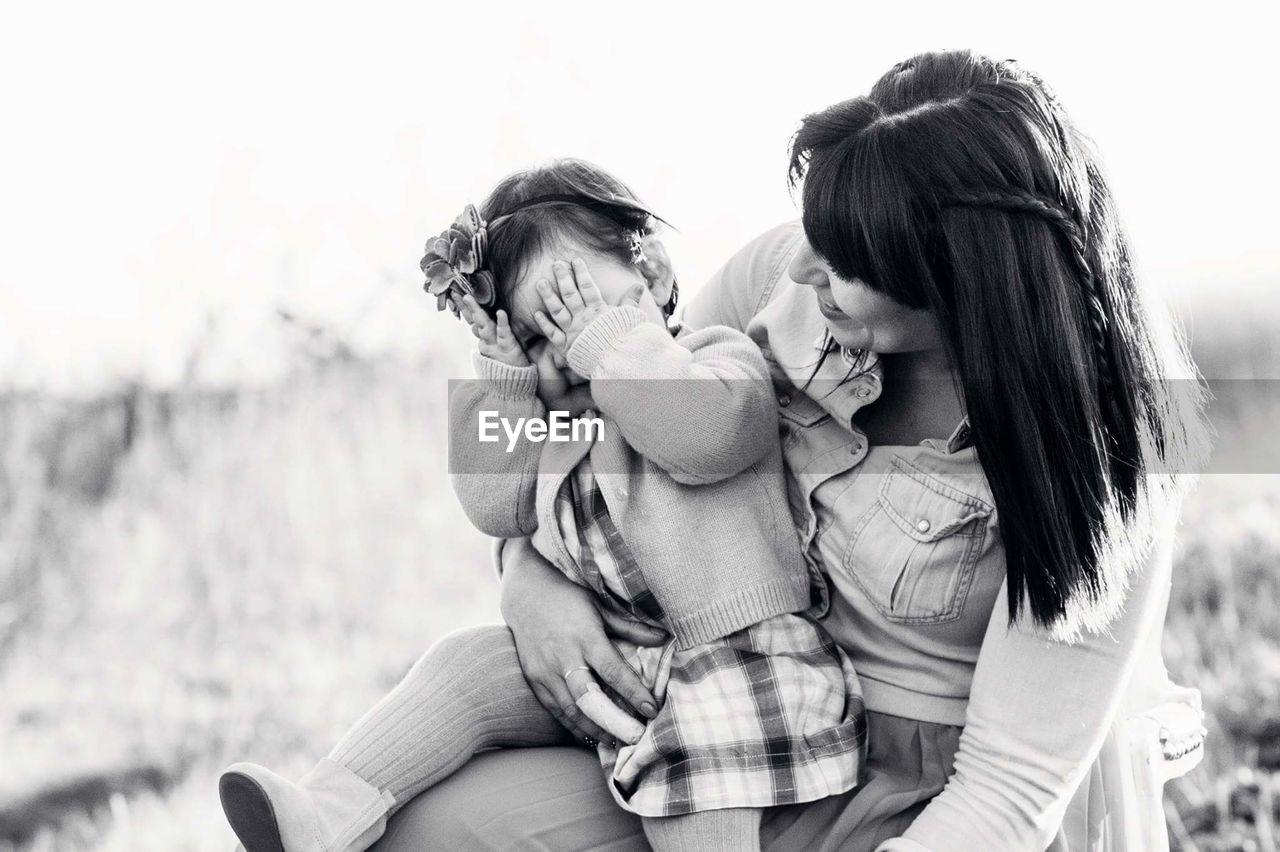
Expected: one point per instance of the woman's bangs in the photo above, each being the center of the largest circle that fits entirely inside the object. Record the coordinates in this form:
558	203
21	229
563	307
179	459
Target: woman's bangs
858	220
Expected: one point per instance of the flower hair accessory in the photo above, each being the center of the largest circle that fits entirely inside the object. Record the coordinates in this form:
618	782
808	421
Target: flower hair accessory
454	263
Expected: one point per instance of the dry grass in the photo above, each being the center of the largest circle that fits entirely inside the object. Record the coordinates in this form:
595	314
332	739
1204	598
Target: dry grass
260	569
192	577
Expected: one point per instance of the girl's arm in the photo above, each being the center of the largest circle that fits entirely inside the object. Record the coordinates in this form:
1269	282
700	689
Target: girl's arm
495	481
1039	711
701	407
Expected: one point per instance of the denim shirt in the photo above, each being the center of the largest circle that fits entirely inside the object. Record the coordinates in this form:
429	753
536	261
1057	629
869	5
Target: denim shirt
909	573
905	534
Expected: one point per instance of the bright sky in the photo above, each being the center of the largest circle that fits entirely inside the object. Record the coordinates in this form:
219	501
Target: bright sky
170	175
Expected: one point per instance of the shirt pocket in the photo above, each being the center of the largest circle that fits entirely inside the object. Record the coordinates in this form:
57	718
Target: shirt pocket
913	553
798	413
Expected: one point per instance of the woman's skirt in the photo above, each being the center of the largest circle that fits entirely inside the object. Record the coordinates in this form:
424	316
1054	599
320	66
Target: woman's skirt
555	798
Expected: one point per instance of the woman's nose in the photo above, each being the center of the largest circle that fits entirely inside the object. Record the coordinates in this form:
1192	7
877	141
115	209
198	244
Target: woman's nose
806	268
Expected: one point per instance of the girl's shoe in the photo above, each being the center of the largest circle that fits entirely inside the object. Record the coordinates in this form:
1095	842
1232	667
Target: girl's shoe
330	810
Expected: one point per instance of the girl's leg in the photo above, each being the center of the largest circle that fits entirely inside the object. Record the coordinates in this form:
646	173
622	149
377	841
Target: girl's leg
464	695
729	828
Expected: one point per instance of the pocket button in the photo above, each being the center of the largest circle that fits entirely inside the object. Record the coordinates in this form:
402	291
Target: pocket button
923	525
784	400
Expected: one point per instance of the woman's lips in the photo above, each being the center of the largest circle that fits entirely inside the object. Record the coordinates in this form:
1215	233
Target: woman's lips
828	309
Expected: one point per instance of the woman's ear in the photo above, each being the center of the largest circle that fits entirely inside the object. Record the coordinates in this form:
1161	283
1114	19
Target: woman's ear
656	268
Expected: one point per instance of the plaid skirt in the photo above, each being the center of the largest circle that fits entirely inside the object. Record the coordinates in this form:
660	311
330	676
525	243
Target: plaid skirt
768	715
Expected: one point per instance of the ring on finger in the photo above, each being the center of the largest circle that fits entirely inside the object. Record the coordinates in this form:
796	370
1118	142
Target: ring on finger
576	669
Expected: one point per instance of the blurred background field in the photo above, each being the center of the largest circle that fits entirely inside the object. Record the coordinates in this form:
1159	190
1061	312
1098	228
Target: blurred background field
189	575
192	575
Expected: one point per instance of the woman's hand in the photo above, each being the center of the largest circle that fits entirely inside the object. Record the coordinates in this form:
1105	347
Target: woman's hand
496	340
572	303
558	631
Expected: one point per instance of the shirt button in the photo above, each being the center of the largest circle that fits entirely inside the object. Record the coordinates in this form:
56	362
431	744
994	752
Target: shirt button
855	449
784	400
923	525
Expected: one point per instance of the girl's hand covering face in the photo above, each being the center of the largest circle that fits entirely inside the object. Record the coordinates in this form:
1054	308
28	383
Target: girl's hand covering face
557	387
496	340
571	304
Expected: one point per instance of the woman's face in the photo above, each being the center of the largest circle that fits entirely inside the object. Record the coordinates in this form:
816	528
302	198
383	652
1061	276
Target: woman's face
859	317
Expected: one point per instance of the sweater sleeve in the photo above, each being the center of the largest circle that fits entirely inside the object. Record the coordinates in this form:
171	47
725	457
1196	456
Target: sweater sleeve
701	407
1039	712
495	480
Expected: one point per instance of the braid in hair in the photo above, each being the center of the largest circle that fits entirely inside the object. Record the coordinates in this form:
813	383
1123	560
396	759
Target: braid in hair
1019	201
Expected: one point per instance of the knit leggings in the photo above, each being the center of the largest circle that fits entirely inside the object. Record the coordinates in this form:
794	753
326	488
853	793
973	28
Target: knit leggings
467	694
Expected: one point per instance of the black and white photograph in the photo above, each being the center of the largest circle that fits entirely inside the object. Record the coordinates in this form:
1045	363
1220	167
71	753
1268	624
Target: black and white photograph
689	427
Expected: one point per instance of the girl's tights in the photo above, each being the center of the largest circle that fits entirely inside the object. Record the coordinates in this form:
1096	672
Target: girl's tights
467	694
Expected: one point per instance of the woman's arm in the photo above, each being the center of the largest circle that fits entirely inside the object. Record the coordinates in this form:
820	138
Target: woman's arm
558	627
495	481
1039	711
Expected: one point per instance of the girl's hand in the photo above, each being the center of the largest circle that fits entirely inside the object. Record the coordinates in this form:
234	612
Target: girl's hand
572	303
558	631
496	340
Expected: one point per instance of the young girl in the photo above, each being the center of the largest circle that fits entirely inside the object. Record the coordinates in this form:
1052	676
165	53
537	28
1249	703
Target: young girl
671	508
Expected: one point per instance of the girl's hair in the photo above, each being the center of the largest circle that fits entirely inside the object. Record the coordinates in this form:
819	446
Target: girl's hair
562	204
960	186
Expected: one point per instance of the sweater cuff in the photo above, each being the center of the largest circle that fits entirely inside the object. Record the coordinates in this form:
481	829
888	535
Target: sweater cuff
599	335
505	380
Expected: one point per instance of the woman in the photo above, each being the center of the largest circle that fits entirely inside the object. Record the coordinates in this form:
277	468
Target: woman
993	531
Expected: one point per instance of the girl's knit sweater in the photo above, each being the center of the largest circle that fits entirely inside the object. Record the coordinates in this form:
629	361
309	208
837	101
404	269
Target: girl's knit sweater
690	467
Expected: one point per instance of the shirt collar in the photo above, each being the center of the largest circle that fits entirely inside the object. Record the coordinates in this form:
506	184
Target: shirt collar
869	363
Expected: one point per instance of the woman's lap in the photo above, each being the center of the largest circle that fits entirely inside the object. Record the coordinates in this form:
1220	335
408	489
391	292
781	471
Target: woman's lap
556	799
908	763
529	798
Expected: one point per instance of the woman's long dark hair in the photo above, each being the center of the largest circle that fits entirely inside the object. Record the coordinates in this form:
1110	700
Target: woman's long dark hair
959	186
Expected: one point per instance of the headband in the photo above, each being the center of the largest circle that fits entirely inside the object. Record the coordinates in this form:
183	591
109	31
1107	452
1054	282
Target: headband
455	262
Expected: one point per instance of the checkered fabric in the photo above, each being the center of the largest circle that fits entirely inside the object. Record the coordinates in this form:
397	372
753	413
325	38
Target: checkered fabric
769	715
